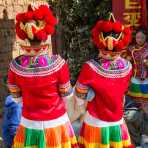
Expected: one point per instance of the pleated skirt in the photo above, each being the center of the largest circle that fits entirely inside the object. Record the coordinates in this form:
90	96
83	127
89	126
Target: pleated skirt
57	133
99	134
138	90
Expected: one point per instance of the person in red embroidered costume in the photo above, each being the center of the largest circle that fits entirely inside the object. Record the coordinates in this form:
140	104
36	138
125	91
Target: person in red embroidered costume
42	80
107	76
139	82
138	91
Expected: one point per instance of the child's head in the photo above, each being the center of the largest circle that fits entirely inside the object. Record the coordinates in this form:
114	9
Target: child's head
140	37
35	27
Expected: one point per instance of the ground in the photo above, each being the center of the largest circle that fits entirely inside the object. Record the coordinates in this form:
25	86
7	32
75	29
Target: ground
1	141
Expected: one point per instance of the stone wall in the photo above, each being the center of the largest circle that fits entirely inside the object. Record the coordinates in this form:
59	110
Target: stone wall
12	6
8	10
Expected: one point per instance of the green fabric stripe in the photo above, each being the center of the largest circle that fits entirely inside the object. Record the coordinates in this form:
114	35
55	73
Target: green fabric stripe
134	88
35	138
115	133
112	133
105	135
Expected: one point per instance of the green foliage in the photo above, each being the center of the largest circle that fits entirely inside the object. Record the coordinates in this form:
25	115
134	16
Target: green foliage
76	18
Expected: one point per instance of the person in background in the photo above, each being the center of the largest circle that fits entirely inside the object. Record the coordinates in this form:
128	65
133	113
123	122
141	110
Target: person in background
137	95
77	111
133	118
144	139
11	119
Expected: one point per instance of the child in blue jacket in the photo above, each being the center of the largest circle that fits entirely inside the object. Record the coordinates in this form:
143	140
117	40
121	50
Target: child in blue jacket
11	119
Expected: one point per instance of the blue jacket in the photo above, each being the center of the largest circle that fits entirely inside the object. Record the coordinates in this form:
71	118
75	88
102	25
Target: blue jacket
11	120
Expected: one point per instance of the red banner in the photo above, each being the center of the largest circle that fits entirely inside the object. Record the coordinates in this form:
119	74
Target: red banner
131	12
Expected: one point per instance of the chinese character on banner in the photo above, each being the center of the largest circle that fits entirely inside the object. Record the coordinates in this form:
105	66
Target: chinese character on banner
132	18
132	4
131	12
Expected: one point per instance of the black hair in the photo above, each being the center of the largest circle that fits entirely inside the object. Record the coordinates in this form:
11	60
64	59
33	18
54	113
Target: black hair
141	30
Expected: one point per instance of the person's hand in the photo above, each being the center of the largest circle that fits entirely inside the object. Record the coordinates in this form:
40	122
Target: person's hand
145	63
82	117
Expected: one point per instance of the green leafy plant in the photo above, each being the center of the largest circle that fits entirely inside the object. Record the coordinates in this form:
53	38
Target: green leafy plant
76	18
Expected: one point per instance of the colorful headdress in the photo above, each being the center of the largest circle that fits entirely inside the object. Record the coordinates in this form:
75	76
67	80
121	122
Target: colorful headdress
111	35
37	23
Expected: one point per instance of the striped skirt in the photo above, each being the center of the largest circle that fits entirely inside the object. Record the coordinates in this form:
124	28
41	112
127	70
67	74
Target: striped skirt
99	134
57	133
138	90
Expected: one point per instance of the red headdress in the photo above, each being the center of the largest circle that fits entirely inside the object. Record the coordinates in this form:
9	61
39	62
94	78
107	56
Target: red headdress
111	35
35	24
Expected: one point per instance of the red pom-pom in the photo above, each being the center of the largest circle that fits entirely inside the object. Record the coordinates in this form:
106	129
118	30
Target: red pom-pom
98	43
127	30
38	14
98	26
20	33
117	27
120	46
29	15
41	35
126	40
49	29
42	13
20	17
95	35
50	19
45	10
94	32
107	26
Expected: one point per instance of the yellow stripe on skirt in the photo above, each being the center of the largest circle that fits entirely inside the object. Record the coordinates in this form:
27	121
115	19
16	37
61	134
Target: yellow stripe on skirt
108	135
61	136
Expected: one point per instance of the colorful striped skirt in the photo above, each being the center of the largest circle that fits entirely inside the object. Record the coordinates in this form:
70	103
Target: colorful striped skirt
96	133
138	90
57	133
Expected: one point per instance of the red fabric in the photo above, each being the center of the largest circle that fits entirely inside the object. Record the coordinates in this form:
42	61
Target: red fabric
132	146
139	59
109	93
41	97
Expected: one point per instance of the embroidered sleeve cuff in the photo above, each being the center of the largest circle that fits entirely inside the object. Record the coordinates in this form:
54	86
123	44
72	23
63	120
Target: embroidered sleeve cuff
65	89
13	88
81	90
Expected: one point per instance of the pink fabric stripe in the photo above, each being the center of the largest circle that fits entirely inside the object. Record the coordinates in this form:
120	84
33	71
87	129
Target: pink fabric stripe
125	135
71	131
